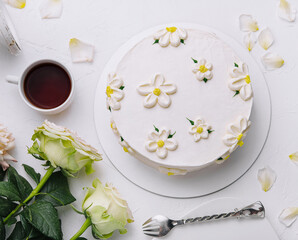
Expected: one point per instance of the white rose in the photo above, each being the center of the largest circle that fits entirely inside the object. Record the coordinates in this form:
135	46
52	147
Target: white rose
6	144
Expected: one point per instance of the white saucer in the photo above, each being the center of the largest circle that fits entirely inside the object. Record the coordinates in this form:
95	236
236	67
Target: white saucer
208	180
233	229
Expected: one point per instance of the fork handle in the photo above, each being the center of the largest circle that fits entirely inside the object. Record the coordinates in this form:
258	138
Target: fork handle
256	209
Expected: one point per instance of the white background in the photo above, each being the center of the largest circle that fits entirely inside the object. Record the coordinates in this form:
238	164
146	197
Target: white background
109	24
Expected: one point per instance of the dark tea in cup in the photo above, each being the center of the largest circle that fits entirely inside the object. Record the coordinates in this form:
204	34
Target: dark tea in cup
47	85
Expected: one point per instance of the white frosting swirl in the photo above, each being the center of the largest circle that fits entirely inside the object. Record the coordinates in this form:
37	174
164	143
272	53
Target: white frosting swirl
236	132
170	35
157	91
160	143
240	81
114	92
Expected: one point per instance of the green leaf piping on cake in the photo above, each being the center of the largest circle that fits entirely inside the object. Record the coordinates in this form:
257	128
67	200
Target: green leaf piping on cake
122	87
205	80
210	131
182	41
110	109
191	121
220	159
236	93
194	60
171	135
156	129
121	138
236	65
156	41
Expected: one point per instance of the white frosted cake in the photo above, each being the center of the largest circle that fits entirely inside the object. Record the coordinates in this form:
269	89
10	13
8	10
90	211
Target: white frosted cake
180	100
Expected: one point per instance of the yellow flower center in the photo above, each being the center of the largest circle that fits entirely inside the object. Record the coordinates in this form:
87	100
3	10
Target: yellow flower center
226	157
109	91
203	69
200	130
160	143
170	173
125	149
247	79
112	125
240	143
156	91
171	29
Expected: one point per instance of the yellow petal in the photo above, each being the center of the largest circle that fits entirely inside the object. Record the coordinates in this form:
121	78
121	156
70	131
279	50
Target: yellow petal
272	61
249	42
247	23
288	216
294	157
285	11
80	51
51	9
266	177
266	38
16	3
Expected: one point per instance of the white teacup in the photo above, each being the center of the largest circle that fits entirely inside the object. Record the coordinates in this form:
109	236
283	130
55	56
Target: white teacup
20	82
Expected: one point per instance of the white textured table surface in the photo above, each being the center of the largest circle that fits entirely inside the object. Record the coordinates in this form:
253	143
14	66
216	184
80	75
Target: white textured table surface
108	24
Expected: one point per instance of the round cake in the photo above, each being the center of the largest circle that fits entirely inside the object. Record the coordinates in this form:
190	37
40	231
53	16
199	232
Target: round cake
180	100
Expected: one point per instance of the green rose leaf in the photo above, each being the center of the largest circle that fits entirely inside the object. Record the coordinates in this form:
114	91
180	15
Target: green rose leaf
7	189
20	183
44	217
31	172
6	206
2	174
11	221
18	232
56	191
2	230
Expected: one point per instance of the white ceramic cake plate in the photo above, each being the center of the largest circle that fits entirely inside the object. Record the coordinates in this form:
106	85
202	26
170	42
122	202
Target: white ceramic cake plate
232	229
207	180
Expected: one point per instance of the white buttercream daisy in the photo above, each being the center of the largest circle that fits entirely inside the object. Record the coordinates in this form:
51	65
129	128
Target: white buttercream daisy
266	177
161	141
125	145
6	144
202	69
157	91
240	81
170	35
114	91
114	127
199	129
236	132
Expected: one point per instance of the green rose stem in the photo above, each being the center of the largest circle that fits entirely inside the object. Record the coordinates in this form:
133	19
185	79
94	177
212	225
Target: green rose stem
86	224
33	193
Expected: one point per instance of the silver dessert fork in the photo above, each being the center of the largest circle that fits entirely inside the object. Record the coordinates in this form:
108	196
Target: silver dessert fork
160	226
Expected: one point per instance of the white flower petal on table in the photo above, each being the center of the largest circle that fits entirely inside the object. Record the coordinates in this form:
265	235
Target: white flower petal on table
162	152
294	157
266	177
285	11
265	38
249	41
272	61
51	9
288	216
16	3
150	100
247	23
80	51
